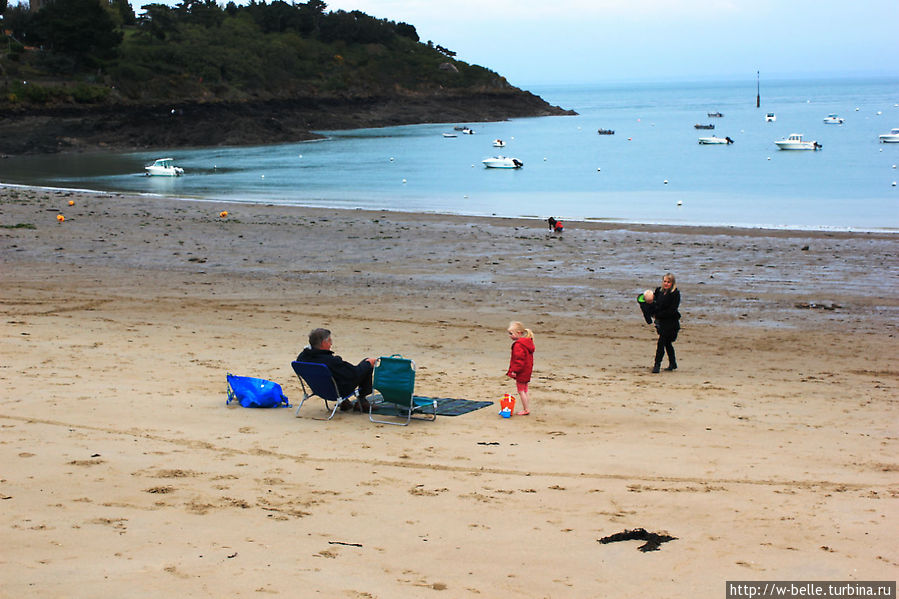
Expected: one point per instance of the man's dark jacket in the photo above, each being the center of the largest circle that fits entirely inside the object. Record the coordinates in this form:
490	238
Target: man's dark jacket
347	376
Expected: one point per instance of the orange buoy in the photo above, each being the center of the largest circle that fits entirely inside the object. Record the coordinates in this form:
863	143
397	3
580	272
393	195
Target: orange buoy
60	217
71	202
223	214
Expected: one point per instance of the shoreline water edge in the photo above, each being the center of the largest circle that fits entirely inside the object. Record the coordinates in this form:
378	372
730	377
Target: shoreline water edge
769	454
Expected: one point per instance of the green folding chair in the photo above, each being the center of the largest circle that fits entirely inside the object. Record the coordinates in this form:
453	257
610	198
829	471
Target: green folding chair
394	379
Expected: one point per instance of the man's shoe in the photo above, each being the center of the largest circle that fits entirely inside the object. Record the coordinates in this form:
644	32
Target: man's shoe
346	405
364	404
656	369
671	367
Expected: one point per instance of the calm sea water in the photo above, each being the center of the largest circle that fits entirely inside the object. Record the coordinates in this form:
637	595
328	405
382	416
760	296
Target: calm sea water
651	171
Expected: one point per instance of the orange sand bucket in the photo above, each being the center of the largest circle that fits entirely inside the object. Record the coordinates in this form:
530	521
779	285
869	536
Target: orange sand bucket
507	405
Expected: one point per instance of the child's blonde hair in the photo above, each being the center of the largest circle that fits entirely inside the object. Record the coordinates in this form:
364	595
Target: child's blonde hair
517	327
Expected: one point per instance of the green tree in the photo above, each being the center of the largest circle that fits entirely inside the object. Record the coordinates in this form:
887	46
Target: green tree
80	29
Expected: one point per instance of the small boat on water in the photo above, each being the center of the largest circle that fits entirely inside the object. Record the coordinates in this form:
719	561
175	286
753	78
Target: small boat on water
605	131
450	135
498	143
716	115
795	142
698	126
502	162
832	119
890	138
464	130
164	167
770	117
708	141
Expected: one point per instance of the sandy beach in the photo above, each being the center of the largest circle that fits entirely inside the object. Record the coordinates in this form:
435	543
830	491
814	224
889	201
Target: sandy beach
770	454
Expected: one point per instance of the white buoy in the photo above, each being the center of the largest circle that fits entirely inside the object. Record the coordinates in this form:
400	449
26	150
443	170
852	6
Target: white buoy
404	180
894	184
769	158
680	203
391	159
894	166
598	169
665	181
263	176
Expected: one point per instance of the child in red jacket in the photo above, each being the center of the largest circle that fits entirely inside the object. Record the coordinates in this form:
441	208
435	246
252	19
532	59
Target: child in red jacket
522	362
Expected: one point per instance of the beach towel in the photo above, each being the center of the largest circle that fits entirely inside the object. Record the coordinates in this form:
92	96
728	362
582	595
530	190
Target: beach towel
255	393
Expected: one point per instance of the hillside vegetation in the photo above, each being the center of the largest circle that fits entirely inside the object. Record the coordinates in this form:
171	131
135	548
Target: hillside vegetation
90	52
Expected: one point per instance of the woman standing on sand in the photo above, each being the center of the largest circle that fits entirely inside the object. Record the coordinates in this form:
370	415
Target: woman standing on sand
665	302
521	363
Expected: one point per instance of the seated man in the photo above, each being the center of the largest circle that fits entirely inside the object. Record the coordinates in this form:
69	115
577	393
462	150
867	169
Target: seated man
347	376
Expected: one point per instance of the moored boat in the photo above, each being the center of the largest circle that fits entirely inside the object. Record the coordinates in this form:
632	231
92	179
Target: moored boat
164	167
770	117
605	131
890	138
716	115
698	126
502	162
708	141
795	142
498	143
832	119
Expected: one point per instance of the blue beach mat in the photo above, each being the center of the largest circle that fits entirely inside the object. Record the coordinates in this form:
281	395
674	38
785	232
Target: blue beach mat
445	406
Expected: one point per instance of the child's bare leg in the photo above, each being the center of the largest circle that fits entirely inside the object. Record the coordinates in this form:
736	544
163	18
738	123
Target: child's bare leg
525	400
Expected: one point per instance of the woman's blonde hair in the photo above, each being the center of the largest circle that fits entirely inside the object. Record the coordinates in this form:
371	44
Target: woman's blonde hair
668	275
517	327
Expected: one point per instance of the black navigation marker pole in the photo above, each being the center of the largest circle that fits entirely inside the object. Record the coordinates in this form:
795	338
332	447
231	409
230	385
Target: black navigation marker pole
758	91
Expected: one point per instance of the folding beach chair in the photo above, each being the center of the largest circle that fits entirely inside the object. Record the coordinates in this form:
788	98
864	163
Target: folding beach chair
321	383
394	378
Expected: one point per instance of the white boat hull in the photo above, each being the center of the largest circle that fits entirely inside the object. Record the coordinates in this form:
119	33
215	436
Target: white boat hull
709	141
795	142
164	171
889	138
502	162
164	167
797	145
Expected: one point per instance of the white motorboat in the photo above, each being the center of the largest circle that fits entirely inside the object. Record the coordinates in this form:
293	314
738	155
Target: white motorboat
890	138
770	117
498	143
450	135
164	167
795	142
708	141
832	119
502	162
464	130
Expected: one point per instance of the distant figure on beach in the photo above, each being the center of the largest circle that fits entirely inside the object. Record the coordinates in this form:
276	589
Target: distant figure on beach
521	364
554	225
662	305
348	377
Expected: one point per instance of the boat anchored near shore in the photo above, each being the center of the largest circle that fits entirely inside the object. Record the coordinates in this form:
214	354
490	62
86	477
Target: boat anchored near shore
164	167
795	142
708	141
502	162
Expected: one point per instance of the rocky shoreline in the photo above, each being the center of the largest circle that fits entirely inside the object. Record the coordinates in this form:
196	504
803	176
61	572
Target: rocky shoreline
74	129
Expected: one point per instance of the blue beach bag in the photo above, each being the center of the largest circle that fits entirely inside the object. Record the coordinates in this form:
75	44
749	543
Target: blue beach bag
255	393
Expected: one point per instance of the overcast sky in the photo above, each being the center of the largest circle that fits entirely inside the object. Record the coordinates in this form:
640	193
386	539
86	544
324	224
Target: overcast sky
585	41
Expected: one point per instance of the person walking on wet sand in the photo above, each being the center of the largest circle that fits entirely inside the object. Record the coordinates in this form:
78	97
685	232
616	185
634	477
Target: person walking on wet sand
664	309
521	364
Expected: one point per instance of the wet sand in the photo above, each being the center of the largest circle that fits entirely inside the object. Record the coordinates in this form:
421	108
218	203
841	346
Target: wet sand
768	455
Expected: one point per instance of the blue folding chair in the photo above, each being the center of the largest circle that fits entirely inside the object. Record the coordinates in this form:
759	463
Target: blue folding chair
321	383
394	378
